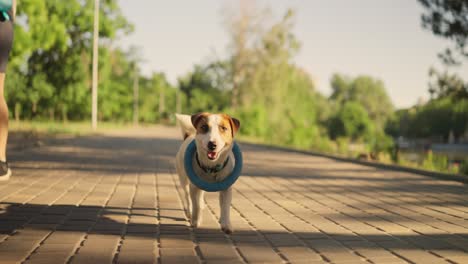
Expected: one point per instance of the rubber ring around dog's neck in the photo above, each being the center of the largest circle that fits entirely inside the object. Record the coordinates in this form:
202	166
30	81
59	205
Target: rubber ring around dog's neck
212	186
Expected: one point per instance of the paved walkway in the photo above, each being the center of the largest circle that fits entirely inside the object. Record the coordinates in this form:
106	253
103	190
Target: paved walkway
114	198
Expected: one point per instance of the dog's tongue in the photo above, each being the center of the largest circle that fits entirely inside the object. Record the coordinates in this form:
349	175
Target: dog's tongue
211	155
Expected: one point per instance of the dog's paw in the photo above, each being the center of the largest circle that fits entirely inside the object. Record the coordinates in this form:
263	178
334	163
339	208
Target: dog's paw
195	222
226	228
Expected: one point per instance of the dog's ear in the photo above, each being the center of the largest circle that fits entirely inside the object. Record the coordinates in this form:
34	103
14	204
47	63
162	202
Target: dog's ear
235	125
197	118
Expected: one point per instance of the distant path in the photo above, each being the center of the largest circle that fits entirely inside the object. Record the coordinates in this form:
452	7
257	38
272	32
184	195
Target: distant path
114	198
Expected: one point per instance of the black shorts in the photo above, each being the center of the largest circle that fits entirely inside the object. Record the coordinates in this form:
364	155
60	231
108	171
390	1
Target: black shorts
6	41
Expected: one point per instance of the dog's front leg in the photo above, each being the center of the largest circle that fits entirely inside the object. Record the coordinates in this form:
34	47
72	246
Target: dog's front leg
196	196
225	198
188	201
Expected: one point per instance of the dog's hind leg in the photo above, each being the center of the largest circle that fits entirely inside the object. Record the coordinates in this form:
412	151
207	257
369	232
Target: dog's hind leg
225	198
198	204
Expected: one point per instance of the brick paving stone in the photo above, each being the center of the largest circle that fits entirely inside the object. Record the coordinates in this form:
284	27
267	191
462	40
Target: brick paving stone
231	261
279	240
9	258
48	258
174	229
219	251
373	252
248	239
97	249
142	228
334	251
259	253
417	255
298	254
176	241
138	244
113	198
138	250
450	252
178	255
137	257
54	253
428	243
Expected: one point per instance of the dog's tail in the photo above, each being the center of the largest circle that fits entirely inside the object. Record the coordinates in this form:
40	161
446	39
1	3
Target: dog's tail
185	124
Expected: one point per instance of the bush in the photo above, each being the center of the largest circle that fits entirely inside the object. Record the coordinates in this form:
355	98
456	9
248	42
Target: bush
464	167
380	142
351	121
435	162
342	145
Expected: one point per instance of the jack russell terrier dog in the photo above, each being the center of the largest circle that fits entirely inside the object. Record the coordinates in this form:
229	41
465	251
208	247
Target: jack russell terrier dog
214	161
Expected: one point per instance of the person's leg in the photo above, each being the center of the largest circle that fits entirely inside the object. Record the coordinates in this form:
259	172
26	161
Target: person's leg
3	119
5	171
6	41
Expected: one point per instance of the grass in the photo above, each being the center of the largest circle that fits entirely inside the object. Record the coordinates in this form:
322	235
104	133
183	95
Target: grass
435	163
69	128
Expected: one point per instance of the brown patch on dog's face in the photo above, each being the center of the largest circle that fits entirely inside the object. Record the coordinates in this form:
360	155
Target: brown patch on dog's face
234	122
228	127
200	122
225	129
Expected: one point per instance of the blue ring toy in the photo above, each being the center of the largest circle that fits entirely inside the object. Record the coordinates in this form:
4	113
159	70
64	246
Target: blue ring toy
212	186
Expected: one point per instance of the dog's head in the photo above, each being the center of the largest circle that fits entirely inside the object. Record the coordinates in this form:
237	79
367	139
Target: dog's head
214	136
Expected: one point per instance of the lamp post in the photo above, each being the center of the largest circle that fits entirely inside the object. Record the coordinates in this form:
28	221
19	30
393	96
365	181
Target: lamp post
135	96
95	66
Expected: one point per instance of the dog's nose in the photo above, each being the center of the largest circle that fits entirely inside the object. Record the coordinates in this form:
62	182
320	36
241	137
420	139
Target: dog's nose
211	145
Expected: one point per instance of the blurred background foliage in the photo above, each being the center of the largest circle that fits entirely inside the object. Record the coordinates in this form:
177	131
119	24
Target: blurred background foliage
49	78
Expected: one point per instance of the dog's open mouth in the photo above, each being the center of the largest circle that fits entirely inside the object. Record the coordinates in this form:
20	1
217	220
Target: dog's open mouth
212	155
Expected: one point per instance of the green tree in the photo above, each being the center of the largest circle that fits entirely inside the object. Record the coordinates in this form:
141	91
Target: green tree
55	63
436	119
444	84
365	90
350	121
278	99
205	88
448	19
115	86
154	91
340	88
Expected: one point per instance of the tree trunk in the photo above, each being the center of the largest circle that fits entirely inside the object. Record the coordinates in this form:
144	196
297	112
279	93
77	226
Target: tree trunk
135	97
162	106
51	114
178	102
17	112
64	114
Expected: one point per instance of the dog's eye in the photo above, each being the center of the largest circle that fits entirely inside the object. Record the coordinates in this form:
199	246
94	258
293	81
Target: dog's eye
223	128
204	128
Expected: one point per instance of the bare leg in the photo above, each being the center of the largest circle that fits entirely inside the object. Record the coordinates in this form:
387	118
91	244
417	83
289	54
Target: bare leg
225	198
6	41
3	119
